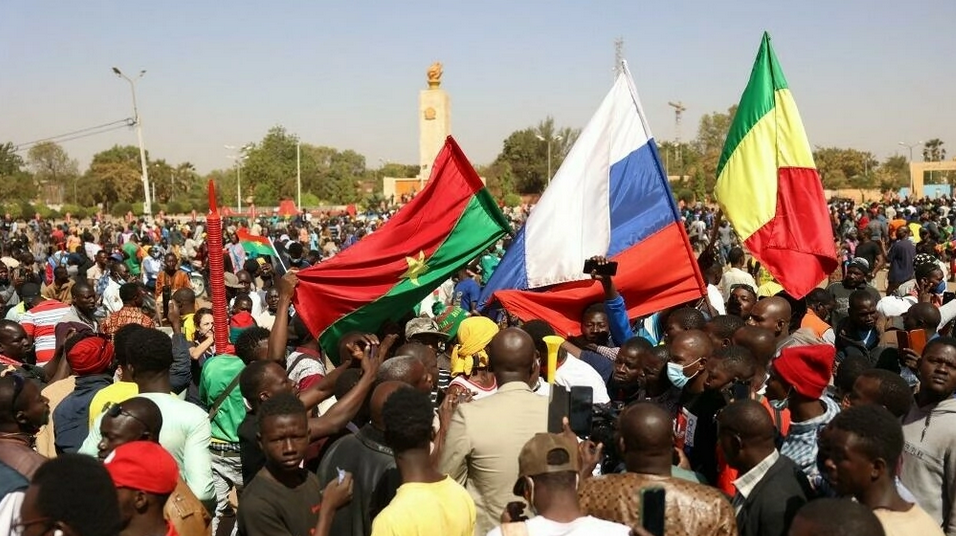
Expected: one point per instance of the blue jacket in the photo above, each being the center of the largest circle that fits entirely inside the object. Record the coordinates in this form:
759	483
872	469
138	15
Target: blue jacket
618	321
71	417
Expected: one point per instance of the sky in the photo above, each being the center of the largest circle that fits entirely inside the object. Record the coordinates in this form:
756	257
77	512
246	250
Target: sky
865	74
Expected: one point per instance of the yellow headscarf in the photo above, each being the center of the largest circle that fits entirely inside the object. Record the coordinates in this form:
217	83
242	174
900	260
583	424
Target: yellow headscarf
474	334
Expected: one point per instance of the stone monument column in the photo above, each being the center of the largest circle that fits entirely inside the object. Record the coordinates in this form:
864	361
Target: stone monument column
434	121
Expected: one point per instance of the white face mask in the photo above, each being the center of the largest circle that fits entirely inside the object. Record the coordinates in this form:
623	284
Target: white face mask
72	270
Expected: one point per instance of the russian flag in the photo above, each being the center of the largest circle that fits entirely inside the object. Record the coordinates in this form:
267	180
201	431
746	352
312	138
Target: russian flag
610	197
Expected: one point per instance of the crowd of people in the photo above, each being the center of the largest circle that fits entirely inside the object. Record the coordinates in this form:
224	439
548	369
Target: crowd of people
746	412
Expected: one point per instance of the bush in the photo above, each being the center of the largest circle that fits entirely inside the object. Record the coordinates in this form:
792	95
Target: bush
512	200
138	209
175	207
77	212
310	200
121	208
200	205
13	209
686	195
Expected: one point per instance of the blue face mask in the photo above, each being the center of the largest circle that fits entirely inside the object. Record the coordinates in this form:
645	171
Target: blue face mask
940	288
675	373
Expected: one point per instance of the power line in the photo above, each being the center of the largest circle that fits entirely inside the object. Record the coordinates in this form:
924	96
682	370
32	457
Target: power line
81	133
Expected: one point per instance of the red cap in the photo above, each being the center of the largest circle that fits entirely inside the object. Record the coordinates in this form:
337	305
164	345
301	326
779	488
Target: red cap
806	368
144	466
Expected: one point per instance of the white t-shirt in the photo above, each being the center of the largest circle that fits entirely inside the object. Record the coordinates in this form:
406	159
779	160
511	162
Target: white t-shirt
574	372
478	391
582	526
716	299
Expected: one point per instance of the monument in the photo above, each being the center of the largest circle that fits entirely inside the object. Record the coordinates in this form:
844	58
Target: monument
434	125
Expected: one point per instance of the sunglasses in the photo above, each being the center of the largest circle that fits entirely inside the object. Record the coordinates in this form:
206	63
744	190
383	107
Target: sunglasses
114	410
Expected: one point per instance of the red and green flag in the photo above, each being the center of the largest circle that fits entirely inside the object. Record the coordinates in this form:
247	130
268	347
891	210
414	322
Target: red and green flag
253	244
382	277
768	185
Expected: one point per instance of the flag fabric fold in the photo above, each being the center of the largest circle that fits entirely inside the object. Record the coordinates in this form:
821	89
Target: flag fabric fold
254	244
383	276
610	197
768	186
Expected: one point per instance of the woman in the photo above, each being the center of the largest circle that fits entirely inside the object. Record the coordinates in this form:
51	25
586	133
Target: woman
469	360
204	343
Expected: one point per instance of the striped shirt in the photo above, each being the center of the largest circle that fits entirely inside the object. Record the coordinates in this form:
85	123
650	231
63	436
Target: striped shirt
800	444
40	323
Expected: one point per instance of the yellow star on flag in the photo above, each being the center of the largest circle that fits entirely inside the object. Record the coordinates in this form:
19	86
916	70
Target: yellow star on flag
416	267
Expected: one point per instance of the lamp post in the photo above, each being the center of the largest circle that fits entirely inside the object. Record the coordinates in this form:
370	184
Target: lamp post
298	174
239	158
910	147
549	140
147	201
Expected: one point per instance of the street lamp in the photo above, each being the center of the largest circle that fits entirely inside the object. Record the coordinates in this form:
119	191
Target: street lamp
239	158
549	140
147	201
910	147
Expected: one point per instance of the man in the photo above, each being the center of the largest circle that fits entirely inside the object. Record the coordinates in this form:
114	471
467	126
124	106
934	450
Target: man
571	371
39	323
185	431
29	296
548	469
772	313
131	313
883	388
905	361
870	247
120	390
145	476
375	476
139	419
119	276
244	288
185	302
406	369
425	355
170	279
858	334
91	360
736	275
682	319
929	460
284	498
721	329
267	317
450	511
800	377
99	268
16	348
646	441
235	252
860	451
695	426
820	306
741	301
854	278
70	496
83	308
487	464
23	411
835	517
770	488
467	292
218	391
900	259
60	289
259	381
426	331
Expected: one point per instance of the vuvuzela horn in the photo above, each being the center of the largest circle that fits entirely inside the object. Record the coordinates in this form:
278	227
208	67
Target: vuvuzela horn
554	344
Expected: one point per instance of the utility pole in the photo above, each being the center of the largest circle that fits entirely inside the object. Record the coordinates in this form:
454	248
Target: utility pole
147	201
298	174
679	109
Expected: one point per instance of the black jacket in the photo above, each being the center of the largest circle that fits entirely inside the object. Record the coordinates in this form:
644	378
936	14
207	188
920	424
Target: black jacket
375	478
774	501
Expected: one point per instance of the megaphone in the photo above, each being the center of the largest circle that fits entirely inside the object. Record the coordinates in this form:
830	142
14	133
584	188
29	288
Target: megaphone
554	344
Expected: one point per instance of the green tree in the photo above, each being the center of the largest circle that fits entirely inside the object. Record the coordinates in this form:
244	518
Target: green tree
709	145
933	151
114	175
16	184
893	174
54	170
846	168
525	152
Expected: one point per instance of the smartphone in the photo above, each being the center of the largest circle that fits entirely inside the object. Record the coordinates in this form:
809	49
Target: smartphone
601	269
558	407
917	340
579	412
652	510
948	297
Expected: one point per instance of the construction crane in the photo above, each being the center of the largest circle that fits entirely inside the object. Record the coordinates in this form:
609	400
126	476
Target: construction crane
679	109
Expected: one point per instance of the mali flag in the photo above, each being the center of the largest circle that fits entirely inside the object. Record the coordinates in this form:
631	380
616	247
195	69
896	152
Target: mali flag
253	244
768	185
382	277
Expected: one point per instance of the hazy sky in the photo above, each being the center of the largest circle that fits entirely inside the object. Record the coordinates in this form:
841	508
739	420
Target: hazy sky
865	73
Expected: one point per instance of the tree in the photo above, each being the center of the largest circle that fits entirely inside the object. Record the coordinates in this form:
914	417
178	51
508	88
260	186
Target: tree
893	174
933	151
114	175
53	169
845	168
16	184
711	136
524	154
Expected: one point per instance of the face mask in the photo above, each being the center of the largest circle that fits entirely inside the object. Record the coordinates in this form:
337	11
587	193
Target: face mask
782	403
940	288
73	270
675	373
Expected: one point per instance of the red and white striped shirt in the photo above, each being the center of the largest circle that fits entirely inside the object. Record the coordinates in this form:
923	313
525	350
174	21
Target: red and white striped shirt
40	323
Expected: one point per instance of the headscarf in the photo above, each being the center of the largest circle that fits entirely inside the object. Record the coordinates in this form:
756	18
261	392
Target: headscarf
474	334
91	355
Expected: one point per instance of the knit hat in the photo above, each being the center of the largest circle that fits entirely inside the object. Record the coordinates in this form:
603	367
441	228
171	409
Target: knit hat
860	263
91	355
143	466
806	368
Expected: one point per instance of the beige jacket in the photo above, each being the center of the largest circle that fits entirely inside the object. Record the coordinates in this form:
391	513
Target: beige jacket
482	446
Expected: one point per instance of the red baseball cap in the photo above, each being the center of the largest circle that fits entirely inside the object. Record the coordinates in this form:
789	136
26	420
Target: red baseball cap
144	466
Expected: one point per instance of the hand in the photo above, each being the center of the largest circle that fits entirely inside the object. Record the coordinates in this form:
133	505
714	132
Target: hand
600	261
909	358
683	462
387	344
371	361
287	284
514	512
337	495
455	395
590	456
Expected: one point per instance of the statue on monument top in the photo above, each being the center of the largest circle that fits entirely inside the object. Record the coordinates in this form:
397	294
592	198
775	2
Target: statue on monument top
434	75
